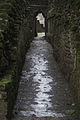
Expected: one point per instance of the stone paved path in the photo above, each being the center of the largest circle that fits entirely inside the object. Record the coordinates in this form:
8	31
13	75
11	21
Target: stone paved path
43	92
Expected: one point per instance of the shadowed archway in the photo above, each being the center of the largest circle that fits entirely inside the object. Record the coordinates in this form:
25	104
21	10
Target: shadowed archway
40	24
36	24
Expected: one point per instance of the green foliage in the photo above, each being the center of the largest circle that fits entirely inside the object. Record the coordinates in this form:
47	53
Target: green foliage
12	14
6	80
70	112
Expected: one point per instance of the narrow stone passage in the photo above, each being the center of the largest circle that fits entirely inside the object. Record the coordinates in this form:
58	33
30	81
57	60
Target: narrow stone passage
43	92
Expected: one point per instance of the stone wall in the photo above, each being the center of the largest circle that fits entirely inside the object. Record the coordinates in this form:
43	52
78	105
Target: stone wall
3	103
64	49
9	85
15	38
63	34
24	40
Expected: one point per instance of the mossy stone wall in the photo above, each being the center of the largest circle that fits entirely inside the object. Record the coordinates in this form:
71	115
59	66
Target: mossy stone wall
63	33
15	38
9	85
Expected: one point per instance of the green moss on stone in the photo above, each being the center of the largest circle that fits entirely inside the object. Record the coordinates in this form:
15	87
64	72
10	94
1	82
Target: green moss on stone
6	80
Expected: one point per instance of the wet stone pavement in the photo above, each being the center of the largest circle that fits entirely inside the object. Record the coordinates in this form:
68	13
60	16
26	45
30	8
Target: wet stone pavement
43	92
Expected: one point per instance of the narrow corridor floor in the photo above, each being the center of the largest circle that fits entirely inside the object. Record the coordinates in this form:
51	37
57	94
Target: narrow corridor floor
43	92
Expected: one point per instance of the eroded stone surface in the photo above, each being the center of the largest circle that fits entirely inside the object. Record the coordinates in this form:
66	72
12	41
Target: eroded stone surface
43	92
